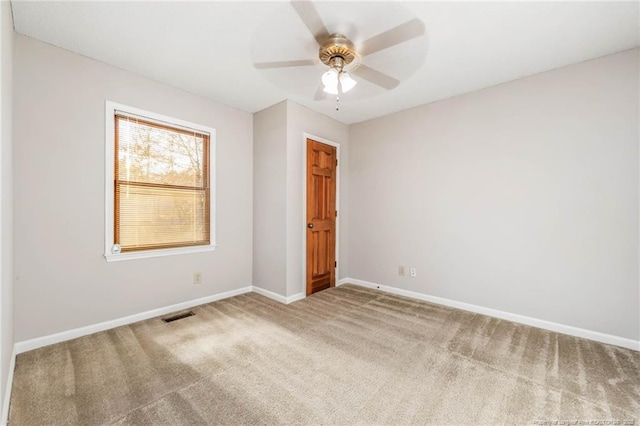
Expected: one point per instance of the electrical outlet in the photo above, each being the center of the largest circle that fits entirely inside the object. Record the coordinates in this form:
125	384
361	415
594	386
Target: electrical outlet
197	277
412	271
401	271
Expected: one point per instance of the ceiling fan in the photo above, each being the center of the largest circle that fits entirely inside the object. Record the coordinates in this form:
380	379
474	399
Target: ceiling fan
342	56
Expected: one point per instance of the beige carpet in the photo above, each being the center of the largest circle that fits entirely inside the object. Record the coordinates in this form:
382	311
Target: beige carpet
347	355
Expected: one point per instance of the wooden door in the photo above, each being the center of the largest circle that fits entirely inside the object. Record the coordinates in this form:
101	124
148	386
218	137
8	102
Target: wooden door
321	216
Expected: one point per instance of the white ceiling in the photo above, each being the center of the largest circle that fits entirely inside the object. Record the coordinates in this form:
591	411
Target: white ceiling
209	48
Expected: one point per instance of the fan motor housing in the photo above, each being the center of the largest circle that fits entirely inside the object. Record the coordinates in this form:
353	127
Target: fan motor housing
338	46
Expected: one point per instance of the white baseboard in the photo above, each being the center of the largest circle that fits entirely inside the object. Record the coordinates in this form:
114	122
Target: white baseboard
7	393
39	342
534	322
344	281
271	295
296	297
278	297
28	345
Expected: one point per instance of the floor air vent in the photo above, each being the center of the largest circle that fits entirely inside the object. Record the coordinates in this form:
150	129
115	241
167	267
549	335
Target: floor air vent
178	317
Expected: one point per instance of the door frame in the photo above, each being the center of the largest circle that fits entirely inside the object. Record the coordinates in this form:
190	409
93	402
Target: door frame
303	224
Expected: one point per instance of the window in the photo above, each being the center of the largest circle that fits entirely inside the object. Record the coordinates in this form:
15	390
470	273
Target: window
159	187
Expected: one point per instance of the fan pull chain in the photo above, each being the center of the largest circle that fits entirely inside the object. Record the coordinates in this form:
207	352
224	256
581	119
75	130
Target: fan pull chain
337	103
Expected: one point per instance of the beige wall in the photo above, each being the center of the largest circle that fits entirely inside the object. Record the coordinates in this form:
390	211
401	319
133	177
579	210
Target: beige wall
521	197
6	195
63	281
300	120
269	198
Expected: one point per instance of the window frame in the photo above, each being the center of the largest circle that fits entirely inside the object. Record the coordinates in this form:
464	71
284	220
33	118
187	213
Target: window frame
111	108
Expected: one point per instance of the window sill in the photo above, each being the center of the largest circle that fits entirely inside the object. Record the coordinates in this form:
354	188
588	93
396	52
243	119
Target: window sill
158	253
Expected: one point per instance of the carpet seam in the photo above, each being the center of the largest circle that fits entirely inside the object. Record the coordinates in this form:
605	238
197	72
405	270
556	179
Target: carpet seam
140	407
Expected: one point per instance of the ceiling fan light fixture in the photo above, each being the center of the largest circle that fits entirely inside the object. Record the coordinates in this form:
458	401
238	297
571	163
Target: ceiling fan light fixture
330	78
334	77
347	82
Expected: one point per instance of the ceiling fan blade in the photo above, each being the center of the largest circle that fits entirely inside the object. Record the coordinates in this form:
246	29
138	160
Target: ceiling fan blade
309	15
376	77
285	64
320	95
403	32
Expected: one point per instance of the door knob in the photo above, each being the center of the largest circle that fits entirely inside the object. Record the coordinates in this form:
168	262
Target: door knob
309	225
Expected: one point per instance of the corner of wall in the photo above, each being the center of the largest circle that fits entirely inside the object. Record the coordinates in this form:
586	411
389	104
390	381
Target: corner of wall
300	121
269	199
